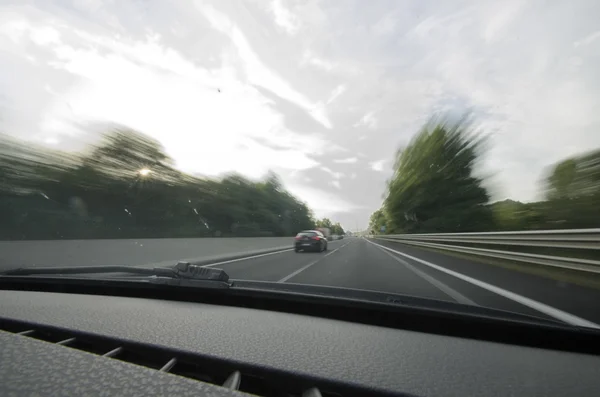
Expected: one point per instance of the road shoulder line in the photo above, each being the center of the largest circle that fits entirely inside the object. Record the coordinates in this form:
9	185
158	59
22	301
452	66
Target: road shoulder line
452	293
533	304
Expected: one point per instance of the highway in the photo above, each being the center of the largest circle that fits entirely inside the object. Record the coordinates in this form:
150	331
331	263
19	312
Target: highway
367	264
129	252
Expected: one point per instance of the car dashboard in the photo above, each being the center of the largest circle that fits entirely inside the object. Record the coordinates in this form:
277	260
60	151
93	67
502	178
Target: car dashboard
78	344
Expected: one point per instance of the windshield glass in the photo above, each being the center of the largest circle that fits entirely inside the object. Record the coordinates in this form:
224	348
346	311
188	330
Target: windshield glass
145	133
307	234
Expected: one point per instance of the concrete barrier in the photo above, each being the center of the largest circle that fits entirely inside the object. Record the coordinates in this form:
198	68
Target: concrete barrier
134	252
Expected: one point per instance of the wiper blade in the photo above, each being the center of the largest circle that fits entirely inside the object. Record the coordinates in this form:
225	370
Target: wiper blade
183	270
394	299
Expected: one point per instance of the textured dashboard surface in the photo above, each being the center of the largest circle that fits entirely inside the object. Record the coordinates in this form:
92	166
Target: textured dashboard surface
29	367
396	360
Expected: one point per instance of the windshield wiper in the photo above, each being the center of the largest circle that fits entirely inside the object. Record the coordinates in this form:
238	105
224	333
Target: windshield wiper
181	271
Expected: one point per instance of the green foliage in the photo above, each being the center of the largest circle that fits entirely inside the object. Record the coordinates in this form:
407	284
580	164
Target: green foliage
337	229
573	192
433	188
325	222
377	221
333	228
514	215
560	182
127	187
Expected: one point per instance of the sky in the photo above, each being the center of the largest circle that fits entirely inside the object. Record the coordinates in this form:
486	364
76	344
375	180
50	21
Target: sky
321	92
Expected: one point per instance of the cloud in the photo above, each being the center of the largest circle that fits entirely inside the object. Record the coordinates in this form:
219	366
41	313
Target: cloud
368	120
588	39
322	64
336	175
323	203
257	73
339	90
506	14
310	59
283	17
377	165
386	25
349	160
134	82
307	87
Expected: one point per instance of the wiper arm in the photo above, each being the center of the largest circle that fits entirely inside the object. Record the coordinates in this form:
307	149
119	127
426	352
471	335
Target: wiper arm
29	271
183	270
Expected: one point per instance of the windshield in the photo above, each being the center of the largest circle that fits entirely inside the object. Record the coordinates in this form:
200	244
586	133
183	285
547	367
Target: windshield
446	150
307	234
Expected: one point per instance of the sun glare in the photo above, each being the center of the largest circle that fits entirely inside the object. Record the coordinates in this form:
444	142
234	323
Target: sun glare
144	172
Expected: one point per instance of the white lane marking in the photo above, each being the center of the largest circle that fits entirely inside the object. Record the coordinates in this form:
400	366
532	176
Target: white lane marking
248	257
539	306
303	268
454	294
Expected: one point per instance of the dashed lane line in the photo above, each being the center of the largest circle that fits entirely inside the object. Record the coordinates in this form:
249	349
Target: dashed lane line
303	268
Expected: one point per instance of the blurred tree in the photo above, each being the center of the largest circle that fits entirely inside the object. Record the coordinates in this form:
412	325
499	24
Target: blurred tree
561	180
127	187
514	215
433	188
377	221
129	154
325	222
573	193
574	177
337	229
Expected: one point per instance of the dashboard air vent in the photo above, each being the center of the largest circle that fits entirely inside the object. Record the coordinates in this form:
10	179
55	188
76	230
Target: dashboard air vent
260	382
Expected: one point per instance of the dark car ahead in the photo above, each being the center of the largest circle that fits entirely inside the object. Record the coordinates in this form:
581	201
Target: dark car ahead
310	240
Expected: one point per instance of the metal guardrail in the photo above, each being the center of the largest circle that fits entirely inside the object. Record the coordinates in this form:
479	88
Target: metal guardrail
579	239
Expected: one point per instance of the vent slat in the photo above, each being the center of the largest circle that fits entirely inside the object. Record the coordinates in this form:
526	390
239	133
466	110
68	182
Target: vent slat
233	381
66	341
113	352
167	367
312	392
203	369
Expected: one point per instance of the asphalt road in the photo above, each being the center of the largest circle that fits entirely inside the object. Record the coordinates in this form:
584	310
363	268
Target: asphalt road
392	267
129	252
351	263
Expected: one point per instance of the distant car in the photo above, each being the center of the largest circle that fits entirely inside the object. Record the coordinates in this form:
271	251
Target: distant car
310	240
341	236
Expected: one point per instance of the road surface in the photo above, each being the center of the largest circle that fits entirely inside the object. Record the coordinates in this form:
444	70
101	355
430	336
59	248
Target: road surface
367	264
128	252
352	263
